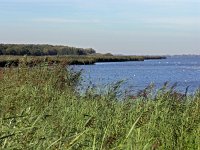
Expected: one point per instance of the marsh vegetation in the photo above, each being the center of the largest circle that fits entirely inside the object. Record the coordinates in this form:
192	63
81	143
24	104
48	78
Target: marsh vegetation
12	60
41	109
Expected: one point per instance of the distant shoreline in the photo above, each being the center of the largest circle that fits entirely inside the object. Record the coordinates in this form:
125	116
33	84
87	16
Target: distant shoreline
11	60
35	54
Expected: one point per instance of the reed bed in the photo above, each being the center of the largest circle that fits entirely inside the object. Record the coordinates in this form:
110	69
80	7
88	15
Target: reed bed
41	109
9	60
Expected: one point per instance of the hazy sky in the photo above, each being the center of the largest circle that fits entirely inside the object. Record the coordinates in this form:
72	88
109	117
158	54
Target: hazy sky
116	26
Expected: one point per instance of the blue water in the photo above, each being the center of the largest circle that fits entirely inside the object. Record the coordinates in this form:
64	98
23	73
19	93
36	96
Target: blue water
183	70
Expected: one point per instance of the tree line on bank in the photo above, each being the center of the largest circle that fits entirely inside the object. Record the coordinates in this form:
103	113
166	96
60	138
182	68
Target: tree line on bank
42	49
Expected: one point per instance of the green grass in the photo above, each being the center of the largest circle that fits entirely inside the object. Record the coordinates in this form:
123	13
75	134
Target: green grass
41	109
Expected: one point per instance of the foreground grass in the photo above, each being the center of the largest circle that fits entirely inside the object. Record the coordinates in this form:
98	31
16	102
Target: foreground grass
41	109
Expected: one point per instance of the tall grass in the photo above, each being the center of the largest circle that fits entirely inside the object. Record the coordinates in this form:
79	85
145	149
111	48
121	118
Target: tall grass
41	109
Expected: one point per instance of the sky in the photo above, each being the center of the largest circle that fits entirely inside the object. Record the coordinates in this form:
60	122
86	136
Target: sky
134	27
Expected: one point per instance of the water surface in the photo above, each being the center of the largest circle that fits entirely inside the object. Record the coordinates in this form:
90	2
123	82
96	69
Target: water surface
183	70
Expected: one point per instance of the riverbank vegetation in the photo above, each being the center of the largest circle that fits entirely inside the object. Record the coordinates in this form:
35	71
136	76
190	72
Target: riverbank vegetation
13	54
41	109
7	60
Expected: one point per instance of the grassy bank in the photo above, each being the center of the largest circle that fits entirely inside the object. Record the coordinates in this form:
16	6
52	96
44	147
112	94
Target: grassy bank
6	60
41	109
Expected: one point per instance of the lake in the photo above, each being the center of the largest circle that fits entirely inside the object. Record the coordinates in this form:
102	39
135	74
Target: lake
183	70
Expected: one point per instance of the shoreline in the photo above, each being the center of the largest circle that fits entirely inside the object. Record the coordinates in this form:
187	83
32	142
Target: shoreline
10	60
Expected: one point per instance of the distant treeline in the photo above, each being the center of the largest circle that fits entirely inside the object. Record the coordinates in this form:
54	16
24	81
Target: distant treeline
42	50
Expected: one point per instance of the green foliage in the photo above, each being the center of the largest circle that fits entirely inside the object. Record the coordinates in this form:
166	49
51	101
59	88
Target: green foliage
71	59
41	50
41	109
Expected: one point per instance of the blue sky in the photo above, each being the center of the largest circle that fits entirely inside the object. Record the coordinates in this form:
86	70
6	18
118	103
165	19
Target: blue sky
116	26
